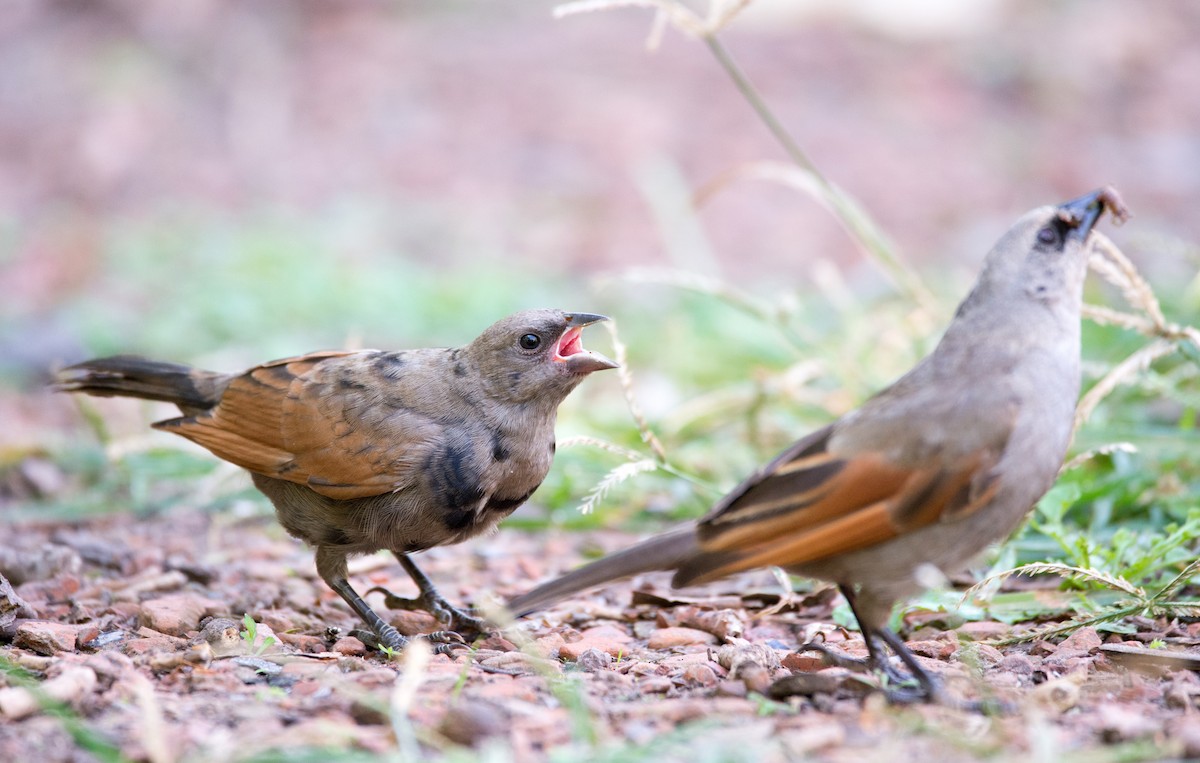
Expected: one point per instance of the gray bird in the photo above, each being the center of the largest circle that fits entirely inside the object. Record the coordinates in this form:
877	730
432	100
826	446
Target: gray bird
368	450
931	470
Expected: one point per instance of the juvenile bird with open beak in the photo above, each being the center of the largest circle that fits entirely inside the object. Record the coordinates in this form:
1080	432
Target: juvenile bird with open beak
367	450
930	471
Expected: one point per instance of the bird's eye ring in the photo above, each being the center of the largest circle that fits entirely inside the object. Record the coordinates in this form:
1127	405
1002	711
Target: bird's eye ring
530	342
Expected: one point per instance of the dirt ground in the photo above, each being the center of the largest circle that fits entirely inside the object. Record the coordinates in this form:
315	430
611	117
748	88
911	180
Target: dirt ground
138	628
548	144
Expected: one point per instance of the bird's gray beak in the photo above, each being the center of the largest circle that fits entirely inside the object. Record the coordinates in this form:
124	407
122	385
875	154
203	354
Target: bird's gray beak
570	346
583	319
1083	213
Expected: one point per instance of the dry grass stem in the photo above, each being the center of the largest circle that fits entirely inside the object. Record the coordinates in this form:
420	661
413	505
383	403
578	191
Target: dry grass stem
803	177
1106	316
701	284
153	729
1177	582
615	477
1111	263
667	12
635	410
798	178
677	15
787	597
777	316
596	442
844	207
1064	570
1103	450
416	662
1122	372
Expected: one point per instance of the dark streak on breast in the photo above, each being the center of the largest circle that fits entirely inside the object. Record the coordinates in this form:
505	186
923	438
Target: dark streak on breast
454	483
499	452
459	519
506	505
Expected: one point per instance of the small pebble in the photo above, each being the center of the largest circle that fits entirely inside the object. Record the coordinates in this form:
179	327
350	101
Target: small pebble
699	675
474	721
592	660
667	638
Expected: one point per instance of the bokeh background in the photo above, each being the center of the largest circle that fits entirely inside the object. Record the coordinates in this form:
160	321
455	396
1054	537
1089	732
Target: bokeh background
221	182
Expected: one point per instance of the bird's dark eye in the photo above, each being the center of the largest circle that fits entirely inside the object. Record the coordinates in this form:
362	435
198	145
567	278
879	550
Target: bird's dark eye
1049	235
530	342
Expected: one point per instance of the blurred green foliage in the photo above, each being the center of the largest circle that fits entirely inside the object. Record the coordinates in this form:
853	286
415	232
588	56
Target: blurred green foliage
724	386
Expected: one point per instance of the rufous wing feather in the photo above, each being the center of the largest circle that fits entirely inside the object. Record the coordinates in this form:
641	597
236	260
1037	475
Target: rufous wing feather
276	420
354	443
811	504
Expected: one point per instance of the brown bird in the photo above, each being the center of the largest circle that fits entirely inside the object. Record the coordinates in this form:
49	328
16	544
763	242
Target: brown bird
931	470
367	450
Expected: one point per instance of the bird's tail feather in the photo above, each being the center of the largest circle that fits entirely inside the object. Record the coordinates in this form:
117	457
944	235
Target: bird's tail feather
131	376
662	552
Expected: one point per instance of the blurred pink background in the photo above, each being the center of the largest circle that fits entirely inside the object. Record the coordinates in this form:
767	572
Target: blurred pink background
491	131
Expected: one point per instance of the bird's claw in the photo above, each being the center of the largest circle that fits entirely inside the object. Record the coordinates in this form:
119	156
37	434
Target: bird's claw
387	637
835	657
899	687
449	649
909	693
441	642
443	611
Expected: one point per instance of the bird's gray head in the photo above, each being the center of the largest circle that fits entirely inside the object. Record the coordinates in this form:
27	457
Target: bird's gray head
1043	256
536	353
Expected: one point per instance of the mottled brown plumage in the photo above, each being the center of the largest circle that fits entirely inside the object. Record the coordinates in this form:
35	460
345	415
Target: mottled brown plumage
367	450
931	470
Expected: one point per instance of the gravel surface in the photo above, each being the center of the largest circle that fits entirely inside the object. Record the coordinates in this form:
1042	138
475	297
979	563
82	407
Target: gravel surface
137	625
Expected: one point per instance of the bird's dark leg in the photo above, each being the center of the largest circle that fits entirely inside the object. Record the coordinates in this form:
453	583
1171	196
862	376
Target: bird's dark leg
876	656
331	565
877	659
928	685
433	602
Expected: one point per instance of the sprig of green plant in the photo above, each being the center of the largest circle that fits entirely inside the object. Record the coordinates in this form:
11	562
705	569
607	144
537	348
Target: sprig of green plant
249	634
1139	602
390	652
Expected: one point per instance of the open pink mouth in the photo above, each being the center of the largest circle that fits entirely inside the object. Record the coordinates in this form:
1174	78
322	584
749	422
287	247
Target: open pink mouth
570	344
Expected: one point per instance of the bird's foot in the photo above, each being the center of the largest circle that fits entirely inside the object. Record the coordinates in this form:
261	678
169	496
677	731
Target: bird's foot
910	692
459	622
836	657
389	639
900	688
